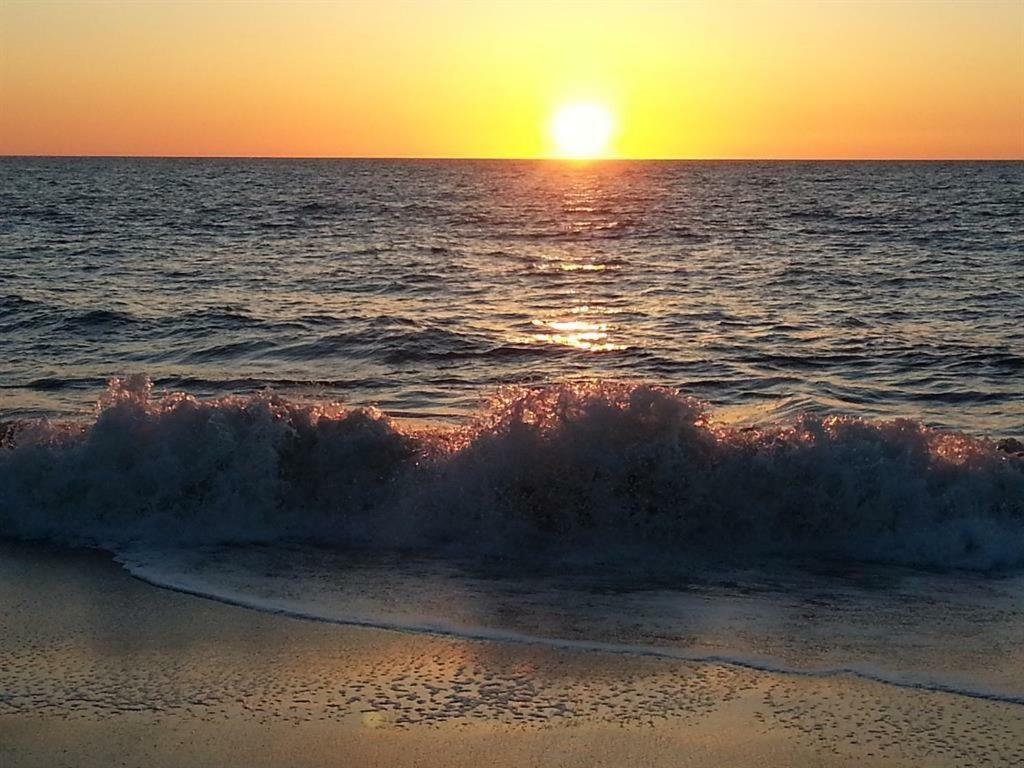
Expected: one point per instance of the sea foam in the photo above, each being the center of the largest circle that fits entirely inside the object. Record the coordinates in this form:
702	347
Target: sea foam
607	469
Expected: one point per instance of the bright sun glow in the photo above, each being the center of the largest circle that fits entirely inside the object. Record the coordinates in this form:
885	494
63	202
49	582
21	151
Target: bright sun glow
582	130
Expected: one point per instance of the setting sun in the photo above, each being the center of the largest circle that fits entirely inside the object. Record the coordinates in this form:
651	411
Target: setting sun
582	130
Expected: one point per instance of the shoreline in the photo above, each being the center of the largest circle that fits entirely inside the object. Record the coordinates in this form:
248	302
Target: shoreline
507	637
101	667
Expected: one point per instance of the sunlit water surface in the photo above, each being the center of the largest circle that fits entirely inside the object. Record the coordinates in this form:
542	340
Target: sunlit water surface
767	289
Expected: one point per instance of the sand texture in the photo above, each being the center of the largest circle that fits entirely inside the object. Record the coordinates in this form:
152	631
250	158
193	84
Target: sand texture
99	669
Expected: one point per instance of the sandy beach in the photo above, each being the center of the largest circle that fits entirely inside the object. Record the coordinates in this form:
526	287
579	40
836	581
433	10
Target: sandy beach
99	668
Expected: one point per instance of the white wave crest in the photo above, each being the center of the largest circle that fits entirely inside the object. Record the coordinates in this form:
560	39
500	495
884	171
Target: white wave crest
605	468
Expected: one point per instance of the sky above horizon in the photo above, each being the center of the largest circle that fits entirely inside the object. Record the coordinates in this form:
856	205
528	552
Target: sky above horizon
915	79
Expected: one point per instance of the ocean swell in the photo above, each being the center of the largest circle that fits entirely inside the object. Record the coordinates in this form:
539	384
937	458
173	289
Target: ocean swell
608	469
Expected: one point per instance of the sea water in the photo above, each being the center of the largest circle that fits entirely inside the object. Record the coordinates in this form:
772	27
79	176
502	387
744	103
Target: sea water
758	413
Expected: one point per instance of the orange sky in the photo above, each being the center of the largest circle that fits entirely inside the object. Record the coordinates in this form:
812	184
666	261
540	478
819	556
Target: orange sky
903	78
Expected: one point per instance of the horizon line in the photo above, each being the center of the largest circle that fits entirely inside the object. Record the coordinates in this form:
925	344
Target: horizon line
470	158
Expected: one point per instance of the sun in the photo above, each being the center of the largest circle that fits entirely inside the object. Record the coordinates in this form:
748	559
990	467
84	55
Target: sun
582	130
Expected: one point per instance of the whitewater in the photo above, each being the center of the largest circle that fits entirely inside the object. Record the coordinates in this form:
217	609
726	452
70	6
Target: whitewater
601	467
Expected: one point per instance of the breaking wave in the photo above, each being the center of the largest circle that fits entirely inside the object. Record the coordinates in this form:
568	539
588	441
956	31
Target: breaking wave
608	469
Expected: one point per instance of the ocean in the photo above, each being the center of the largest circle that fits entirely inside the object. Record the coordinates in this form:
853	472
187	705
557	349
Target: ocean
769	290
761	413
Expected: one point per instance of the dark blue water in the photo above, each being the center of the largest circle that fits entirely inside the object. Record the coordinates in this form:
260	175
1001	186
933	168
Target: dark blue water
767	289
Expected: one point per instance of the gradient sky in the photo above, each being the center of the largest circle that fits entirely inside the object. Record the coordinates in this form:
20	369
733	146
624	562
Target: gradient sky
907	79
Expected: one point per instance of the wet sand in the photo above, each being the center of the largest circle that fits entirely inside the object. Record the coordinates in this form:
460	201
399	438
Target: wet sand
99	669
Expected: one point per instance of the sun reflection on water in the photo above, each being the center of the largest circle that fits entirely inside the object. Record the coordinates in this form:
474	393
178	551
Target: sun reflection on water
554	264
569	267
587	335
584	282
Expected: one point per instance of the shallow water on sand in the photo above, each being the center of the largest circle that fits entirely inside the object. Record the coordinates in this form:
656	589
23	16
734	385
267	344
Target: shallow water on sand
99	668
944	631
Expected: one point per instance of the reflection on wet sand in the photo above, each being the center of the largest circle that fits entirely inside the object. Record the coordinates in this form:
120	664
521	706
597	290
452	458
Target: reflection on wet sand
86	645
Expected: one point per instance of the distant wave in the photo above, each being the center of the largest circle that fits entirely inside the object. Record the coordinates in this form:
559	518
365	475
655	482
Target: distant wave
604	468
